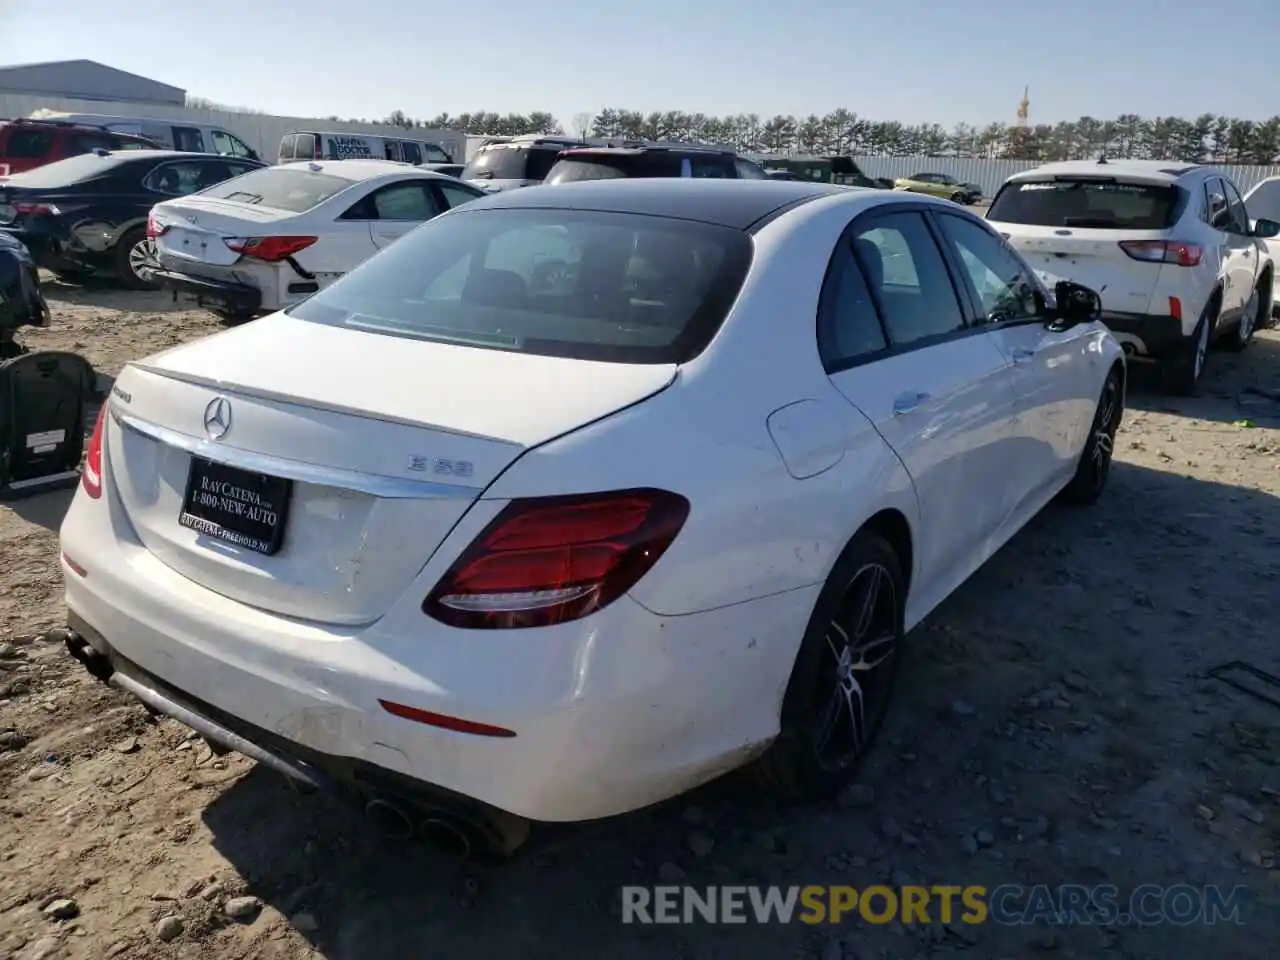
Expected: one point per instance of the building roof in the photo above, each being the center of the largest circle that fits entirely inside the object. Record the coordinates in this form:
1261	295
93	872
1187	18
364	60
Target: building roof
86	80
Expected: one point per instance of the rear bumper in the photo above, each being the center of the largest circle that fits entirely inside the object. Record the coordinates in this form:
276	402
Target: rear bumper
50	253
612	713
220	294
1147	334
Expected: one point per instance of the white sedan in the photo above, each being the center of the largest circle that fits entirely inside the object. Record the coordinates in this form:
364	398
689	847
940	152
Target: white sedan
272	237
574	499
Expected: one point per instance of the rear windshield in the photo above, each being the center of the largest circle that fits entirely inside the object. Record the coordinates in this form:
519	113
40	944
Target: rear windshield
604	166
507	163
280	188
1101	204
567	283
64	173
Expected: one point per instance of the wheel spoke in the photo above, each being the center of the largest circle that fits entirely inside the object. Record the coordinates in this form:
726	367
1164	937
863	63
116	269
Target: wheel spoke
873	653
841	648
869	602
853	698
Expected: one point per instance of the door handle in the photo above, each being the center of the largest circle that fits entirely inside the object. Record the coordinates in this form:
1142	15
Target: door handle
909	403
1022	354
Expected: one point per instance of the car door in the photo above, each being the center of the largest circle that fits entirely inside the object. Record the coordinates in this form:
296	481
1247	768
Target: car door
395	209
938	390
1052	376
1242	262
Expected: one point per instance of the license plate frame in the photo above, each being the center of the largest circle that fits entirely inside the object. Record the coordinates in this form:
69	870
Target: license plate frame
236	506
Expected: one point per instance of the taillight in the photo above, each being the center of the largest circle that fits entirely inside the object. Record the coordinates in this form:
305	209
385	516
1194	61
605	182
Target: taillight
1178	252
91	474
270	249
155	228
38	209
553	559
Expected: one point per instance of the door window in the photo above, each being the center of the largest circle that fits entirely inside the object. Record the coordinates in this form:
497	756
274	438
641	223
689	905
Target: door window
28	144
455	195
1004	288
179	178
909	278
848	324
289	147
403	201
748	171
189	139
1217	213
411	152
1239	216
232	146
708	167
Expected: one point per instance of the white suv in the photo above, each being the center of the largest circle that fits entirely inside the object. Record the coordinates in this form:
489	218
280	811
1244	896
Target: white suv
1168	245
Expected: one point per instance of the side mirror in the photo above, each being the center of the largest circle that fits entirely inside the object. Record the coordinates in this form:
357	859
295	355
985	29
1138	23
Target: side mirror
1266	229
1076	304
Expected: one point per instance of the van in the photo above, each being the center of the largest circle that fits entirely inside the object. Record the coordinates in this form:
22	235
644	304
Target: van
322	145
187	135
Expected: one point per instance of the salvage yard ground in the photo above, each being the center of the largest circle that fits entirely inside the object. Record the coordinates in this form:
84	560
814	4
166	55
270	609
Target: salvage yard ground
1054	725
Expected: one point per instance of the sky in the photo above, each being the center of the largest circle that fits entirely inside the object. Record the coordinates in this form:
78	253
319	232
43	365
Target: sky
916	61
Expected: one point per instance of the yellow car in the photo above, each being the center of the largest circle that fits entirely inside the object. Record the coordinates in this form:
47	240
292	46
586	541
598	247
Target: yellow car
940	185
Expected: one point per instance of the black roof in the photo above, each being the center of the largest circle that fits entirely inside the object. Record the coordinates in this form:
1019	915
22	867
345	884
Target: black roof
728	203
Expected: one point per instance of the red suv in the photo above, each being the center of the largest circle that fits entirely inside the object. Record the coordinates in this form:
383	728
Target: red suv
27	144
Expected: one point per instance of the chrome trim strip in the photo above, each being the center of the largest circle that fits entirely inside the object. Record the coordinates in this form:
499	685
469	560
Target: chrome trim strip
376	485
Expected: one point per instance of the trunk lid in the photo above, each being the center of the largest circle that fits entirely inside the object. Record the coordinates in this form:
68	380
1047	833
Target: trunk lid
194	229
378	446
1090	256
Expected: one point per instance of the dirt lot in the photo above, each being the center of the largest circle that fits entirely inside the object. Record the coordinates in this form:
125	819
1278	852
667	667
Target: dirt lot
1054	726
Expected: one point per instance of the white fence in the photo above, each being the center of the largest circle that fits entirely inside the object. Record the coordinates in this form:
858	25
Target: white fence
260	131
990	174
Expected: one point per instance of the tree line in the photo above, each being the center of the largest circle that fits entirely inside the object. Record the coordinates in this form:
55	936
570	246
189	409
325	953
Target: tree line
1207	138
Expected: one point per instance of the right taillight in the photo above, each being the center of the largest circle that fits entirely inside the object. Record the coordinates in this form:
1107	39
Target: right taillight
155	228
553	559
91	474
1178	252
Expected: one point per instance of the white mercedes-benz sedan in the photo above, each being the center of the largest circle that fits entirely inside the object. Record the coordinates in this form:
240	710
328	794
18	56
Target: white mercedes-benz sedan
572	499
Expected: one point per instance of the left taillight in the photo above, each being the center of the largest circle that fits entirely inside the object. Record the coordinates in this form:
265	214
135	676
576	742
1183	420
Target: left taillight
550	560
270	249
155	228
91	474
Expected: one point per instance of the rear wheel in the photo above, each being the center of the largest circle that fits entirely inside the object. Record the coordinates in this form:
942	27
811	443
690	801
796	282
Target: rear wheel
136	260
1257	313
1183	371
958	198
842	681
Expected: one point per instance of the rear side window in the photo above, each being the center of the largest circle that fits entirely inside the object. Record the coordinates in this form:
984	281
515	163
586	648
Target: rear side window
27	144
88	142
586	284
1087	203
412	153
281	188
288	146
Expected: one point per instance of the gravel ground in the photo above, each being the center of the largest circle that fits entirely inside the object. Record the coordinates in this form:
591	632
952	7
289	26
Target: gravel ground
1054	726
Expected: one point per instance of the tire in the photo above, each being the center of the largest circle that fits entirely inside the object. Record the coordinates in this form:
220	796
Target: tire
1094	467
1256	316
1184	371
131	250
802	764
959	198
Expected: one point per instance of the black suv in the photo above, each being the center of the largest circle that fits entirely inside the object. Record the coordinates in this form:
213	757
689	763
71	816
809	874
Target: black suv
650	160
87	215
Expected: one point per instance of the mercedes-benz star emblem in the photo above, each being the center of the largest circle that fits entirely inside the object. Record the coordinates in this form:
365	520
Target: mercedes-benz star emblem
217	418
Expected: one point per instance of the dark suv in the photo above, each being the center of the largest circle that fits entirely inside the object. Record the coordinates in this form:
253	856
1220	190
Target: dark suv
506	163
649	160
27	144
